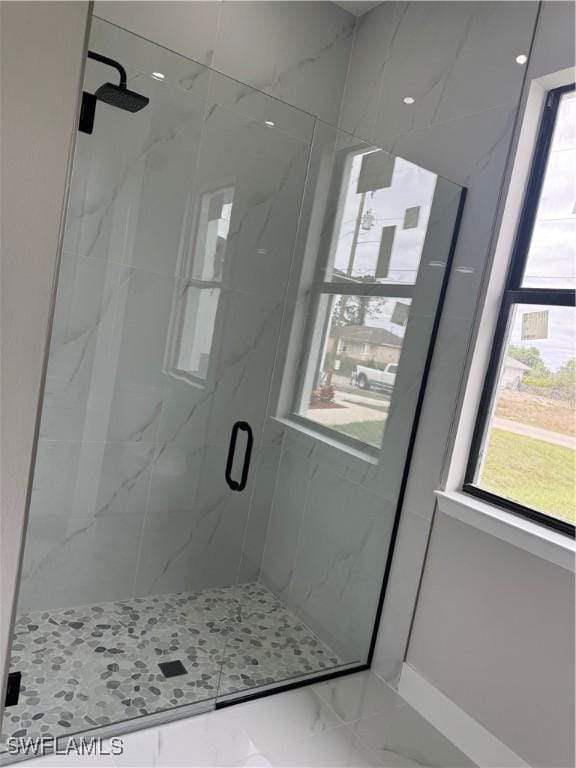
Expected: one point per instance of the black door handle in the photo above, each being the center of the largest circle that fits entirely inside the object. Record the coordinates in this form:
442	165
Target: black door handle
234	484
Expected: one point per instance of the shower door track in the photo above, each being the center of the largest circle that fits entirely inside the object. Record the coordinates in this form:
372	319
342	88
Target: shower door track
153	720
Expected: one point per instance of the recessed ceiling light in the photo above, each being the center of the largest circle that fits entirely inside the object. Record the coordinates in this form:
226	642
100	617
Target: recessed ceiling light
158	76
409	100
270	123
522	59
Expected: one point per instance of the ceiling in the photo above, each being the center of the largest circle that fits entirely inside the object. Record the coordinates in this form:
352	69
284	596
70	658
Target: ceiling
357	7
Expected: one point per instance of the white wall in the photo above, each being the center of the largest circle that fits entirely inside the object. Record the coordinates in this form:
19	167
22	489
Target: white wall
494	631
457	61
42	48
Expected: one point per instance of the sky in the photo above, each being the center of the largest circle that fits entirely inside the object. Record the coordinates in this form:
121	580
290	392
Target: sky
552	255
560	345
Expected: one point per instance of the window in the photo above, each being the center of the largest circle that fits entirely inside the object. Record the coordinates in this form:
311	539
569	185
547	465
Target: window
524	448
196	305
366	273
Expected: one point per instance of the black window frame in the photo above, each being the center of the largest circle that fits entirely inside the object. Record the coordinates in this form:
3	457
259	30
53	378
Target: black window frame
514	294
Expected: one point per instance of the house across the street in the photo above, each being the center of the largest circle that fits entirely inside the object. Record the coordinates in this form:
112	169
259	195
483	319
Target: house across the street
364	344
512	373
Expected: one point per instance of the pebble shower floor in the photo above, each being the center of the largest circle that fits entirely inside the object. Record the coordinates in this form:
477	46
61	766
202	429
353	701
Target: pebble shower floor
90	666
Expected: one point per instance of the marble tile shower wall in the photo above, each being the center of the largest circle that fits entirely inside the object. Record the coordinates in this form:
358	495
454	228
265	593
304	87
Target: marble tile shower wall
128	492
326	548
333	511
136	433
298	52
457	61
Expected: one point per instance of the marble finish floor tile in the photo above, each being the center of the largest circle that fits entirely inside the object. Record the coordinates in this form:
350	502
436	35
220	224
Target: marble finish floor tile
280	720
358	696
402	737
91	666
337	748
294	728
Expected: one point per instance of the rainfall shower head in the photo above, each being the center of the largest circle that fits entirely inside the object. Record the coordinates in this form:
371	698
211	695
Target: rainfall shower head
121	97
115	95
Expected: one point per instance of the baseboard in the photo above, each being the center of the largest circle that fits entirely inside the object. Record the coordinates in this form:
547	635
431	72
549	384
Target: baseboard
460	728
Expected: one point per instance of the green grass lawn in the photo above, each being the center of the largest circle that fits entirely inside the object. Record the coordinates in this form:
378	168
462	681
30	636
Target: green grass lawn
537	474
368	431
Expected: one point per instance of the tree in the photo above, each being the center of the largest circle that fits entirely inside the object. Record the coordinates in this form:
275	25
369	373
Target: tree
531	357
565	376
357	310
349	310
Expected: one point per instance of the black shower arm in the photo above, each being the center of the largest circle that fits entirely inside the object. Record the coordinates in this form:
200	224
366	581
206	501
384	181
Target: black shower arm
110	63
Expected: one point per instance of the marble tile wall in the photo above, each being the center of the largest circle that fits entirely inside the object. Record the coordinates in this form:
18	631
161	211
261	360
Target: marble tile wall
124	255
326	547
457	61
333	509
295	51
129	491
128	481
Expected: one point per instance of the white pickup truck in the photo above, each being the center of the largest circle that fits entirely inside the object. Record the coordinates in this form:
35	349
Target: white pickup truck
376	378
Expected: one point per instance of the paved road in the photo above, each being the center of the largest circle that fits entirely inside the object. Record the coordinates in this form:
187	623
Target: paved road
567	441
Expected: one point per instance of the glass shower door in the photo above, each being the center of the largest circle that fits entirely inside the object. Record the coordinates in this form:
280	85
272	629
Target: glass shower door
179	236
373	254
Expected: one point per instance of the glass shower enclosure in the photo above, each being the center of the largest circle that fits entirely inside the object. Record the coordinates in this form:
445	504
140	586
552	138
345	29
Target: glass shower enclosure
215	492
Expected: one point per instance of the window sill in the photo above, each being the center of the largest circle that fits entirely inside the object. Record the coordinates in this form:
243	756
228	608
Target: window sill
326	440
533	538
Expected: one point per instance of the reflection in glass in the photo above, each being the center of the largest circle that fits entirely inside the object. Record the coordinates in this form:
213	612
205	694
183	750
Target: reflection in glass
199	317
529	454
352	384
552	256
212	231
197	309
382	223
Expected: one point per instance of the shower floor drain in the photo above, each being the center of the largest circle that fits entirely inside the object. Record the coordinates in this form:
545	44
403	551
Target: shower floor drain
97	664
172	668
